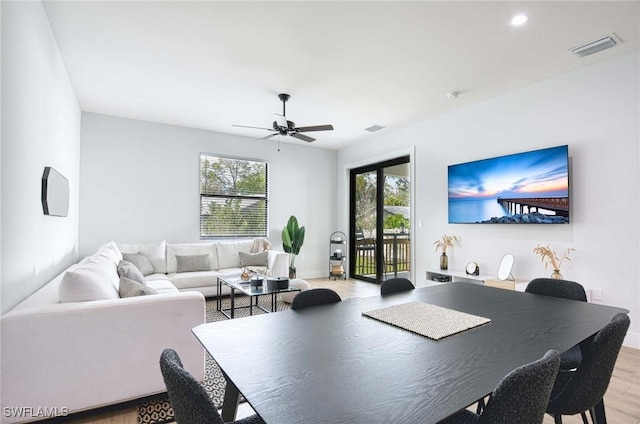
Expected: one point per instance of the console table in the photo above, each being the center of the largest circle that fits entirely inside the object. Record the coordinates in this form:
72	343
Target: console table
452	276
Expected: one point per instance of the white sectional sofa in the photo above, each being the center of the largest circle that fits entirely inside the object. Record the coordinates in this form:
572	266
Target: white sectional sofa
224	259
64	352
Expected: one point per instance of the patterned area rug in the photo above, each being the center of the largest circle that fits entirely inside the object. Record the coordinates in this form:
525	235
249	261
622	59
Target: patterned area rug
157	410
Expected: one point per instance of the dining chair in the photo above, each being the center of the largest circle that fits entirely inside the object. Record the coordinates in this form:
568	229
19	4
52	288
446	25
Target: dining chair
314	297
365	251
190	402
520	397
567	290
394	285
583	389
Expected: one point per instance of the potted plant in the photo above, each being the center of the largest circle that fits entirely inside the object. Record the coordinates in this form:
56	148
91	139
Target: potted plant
292	240
549	257
444	243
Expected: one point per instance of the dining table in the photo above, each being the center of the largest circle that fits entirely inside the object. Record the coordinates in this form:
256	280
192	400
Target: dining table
334	364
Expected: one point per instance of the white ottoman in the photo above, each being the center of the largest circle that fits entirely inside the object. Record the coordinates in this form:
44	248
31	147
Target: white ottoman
297	283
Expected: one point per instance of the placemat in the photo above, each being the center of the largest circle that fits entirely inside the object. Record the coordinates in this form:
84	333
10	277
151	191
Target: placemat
427	320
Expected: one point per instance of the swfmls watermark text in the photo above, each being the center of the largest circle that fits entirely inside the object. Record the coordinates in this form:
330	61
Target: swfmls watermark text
35	412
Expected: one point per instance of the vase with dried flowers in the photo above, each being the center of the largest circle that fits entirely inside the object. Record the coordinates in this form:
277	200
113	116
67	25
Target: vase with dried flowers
445	242
549	257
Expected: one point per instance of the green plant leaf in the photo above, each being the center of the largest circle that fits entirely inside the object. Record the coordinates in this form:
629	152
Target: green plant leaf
286	240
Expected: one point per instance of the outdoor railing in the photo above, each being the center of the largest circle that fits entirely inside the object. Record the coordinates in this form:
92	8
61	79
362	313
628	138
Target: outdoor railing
396	254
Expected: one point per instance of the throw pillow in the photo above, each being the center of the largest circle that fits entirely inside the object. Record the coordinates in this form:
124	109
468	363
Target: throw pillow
253	259
140	261
84	284
130	271
191	263
130	288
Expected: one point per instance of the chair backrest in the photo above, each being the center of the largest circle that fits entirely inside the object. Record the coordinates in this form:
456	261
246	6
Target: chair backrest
359	234
557	288
393	285
314	297
580	390
190	401
522	396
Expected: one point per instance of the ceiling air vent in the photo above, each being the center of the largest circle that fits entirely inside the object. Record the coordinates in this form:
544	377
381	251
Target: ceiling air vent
375	128
595	46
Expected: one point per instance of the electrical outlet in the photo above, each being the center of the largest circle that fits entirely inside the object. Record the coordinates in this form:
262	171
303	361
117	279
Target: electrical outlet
597	294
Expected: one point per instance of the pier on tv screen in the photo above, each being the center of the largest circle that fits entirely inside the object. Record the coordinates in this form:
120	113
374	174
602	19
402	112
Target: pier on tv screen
524	188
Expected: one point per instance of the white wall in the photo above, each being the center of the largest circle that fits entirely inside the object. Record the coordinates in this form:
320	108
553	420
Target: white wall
595	111
40	127
139	183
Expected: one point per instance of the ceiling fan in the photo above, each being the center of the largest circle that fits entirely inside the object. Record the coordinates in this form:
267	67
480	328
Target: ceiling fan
282	126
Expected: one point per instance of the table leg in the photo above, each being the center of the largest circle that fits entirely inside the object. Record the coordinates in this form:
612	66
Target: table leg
218	297
233	304
231	401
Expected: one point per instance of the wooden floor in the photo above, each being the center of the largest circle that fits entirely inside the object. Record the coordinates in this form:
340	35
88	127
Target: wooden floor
622	401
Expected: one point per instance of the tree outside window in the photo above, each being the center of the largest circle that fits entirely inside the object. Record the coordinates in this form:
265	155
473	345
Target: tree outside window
233	197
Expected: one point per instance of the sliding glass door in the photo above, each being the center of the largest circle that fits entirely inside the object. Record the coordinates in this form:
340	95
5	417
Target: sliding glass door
380	220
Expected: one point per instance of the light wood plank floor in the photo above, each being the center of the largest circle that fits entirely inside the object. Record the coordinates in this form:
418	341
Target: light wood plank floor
622	401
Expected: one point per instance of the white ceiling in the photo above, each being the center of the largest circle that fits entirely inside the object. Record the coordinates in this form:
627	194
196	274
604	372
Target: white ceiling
353	64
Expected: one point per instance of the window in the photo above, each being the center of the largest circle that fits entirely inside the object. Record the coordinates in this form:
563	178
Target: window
233	197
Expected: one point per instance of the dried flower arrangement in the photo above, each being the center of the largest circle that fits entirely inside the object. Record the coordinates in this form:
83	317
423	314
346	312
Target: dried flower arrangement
446	241
549	257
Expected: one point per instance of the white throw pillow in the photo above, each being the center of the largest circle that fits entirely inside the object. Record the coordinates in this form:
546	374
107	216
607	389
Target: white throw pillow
86	283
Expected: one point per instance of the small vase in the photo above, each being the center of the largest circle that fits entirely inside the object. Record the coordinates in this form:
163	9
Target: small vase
556	275
444	261
292	273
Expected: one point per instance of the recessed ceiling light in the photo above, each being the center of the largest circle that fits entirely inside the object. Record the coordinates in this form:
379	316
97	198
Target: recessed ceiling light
518	20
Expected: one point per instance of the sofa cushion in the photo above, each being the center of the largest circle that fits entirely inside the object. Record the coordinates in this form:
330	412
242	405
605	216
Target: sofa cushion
111	251
174	249
86	283
192	263
253	259
131	288
140	261
162	286
185	280
156	252
228	252
156	276
128	270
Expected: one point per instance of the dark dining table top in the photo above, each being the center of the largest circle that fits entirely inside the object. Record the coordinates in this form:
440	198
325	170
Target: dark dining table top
331	364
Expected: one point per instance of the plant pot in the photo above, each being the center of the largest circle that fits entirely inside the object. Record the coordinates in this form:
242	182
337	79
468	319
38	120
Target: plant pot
556	275
292	273
444	261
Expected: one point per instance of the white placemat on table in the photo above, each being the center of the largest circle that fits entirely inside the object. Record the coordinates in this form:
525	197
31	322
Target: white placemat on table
427	320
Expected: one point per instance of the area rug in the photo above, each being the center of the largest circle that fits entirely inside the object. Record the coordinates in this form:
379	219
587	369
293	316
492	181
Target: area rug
157	409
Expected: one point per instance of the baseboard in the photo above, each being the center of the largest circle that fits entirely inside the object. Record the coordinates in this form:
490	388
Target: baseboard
632	339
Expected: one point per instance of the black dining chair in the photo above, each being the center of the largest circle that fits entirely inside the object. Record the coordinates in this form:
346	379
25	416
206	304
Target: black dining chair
583	389
567	290
394	285
314	297
520	397
190	402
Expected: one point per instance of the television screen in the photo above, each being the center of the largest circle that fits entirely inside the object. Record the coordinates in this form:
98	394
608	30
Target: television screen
524	188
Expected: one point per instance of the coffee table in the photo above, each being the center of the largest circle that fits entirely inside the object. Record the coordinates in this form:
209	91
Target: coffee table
235	283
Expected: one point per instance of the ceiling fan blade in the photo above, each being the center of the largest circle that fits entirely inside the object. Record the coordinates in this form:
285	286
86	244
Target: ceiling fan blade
268	137
315	128
303	137
256	128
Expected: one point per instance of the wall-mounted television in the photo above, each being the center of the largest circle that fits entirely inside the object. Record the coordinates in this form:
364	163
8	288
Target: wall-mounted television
523	188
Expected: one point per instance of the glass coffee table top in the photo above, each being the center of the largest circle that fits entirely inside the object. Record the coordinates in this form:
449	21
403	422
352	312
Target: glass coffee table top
251	289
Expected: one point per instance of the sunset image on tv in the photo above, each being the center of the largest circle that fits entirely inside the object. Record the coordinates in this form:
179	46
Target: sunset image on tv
528	188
